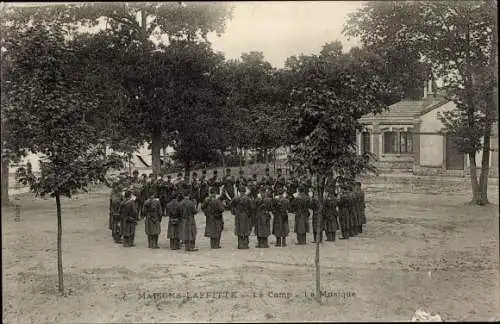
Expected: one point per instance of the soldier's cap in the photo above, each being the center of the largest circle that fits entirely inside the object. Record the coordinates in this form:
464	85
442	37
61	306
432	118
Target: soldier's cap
228	170
204	172
215	172
195	174
135	172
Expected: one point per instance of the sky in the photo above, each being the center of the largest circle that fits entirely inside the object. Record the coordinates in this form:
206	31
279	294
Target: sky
282	29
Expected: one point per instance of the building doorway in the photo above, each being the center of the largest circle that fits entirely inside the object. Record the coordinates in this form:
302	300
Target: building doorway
454	158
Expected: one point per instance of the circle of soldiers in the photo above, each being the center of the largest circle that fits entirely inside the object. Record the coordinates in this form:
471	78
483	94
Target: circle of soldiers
261	206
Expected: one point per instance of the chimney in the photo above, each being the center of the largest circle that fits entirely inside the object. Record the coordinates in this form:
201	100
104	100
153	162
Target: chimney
425	89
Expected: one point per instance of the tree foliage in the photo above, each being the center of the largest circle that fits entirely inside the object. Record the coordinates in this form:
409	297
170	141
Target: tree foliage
45	109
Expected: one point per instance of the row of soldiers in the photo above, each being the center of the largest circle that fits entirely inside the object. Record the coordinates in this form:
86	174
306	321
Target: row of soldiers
252	204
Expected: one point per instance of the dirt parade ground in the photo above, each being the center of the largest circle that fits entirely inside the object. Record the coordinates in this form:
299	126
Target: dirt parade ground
428	251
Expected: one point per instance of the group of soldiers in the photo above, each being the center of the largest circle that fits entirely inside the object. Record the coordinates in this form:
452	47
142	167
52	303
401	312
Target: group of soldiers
261	206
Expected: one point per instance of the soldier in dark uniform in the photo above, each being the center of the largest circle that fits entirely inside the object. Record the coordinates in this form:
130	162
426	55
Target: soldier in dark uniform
162	188
195	189
187	210
292	185
242	208
135	177
114	211
152	213
241	181
330	218
214	182
344	214
362	205
280	182
170	192
204	186
213	209
315	217
174	222
280	209
262	218
129	216
300	206
228	183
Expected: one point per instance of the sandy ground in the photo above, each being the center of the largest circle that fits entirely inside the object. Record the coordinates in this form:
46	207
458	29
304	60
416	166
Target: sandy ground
418	250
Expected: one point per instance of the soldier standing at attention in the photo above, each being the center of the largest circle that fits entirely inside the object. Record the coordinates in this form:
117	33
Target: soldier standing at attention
280	182
187	211
330	218
214	182
262	217
343	204
195	189
300	206
362	205
114	211
351	198
152	213
204	187
162	187
241	207
280	209
213	209
129	216
292	186
241	181
174	223
228	183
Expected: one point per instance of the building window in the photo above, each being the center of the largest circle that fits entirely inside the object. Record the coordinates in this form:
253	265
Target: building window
366	142
390	142
406	142
398	142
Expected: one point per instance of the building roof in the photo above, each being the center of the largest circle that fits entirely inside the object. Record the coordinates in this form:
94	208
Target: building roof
408	109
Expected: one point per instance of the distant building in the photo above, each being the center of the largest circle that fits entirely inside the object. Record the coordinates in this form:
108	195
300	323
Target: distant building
409	138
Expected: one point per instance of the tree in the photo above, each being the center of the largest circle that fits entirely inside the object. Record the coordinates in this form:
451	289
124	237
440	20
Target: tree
401	60
139	26
258	101
199	100
45	111
457	39
333	94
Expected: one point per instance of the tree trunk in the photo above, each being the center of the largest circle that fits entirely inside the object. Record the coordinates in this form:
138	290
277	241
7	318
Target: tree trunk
485	168
491	108
266	157
59	243
156	145
5	181
187	169
274	160
473	177
320	189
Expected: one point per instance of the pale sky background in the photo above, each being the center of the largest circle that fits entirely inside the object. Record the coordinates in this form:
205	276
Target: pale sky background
281	29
